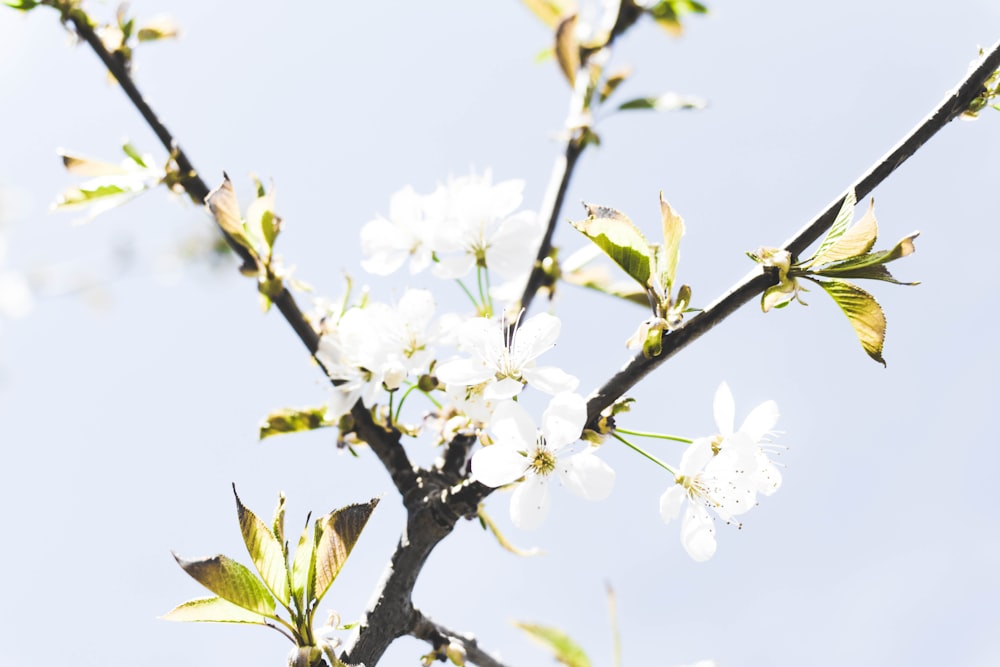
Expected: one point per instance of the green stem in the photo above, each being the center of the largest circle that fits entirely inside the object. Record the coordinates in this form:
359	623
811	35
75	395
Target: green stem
402	399
468	293
642	451
659	436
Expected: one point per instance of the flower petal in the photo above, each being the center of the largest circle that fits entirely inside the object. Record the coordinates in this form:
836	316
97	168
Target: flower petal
761	420
502	389
671	502
497	465
529	505
586	475
463	373
550	379
698	533
513	425
724	409
563	420
535	335
696	456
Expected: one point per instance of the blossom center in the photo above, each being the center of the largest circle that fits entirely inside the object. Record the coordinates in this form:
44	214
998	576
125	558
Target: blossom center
543	461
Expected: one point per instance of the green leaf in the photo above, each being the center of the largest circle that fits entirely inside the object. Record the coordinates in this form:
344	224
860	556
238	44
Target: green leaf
85	166
566	651
278	523
304	567
158	28
856	241
130	151
230	580
863	312
212	610
840	223
78	196
854	264
549	11
567	48
673	230
597	278
340	531
293	420
666	102
22	5
876	272
225	208
611	84
616	235
265	551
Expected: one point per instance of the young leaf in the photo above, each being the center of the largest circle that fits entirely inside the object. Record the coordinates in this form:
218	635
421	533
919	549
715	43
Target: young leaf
857	240
567	48
840	223
278	523
223	205
340	531
669	101
85	166
230	580
863	312
292	420
22	5
856	266
212	610
673	230
616	235
304	567
598	278
566	651
134	155
265	551
611	84
549	11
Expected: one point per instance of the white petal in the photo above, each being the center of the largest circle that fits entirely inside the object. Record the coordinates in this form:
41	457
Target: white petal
696	456
416	307
535	335
586	475
529	505
671	502
550	379
455	266
513	425
724	409
502	389
761	420
698	533
463	373
497	465
384	247
563	420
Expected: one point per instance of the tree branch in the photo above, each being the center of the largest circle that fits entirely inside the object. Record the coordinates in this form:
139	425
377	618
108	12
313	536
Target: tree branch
384	443
758	280
438	635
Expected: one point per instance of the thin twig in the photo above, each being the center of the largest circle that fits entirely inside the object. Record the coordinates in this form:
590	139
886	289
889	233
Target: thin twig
436	634
384	443
758	280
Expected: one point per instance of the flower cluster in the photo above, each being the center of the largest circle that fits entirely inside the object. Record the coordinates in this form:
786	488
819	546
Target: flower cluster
468	222
475	367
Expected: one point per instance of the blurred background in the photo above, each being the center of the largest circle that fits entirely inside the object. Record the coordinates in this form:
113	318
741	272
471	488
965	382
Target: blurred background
133	377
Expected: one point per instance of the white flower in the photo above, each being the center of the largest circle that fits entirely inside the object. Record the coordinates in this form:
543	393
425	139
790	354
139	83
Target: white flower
723	473
406	234
521	450
505	362
481	228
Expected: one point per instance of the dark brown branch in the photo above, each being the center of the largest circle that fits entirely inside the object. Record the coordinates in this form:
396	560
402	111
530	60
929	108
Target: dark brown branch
758	280
385	444
437	635
562	172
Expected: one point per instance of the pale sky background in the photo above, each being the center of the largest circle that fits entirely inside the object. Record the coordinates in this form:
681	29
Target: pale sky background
125	422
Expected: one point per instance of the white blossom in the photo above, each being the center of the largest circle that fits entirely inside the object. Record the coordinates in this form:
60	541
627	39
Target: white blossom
503	360
521	450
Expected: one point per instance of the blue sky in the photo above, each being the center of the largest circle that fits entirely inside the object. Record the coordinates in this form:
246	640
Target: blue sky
130	407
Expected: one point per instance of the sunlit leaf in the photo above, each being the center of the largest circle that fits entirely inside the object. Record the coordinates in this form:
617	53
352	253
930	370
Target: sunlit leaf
567	48
23	5
265	551
617	236
840	224
863	312
666	102
857	240
565	650
613	81
134	155
673	230
157	28
340	531
549	11
85	166
230	580
304	566
223	205
278	523
212	610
